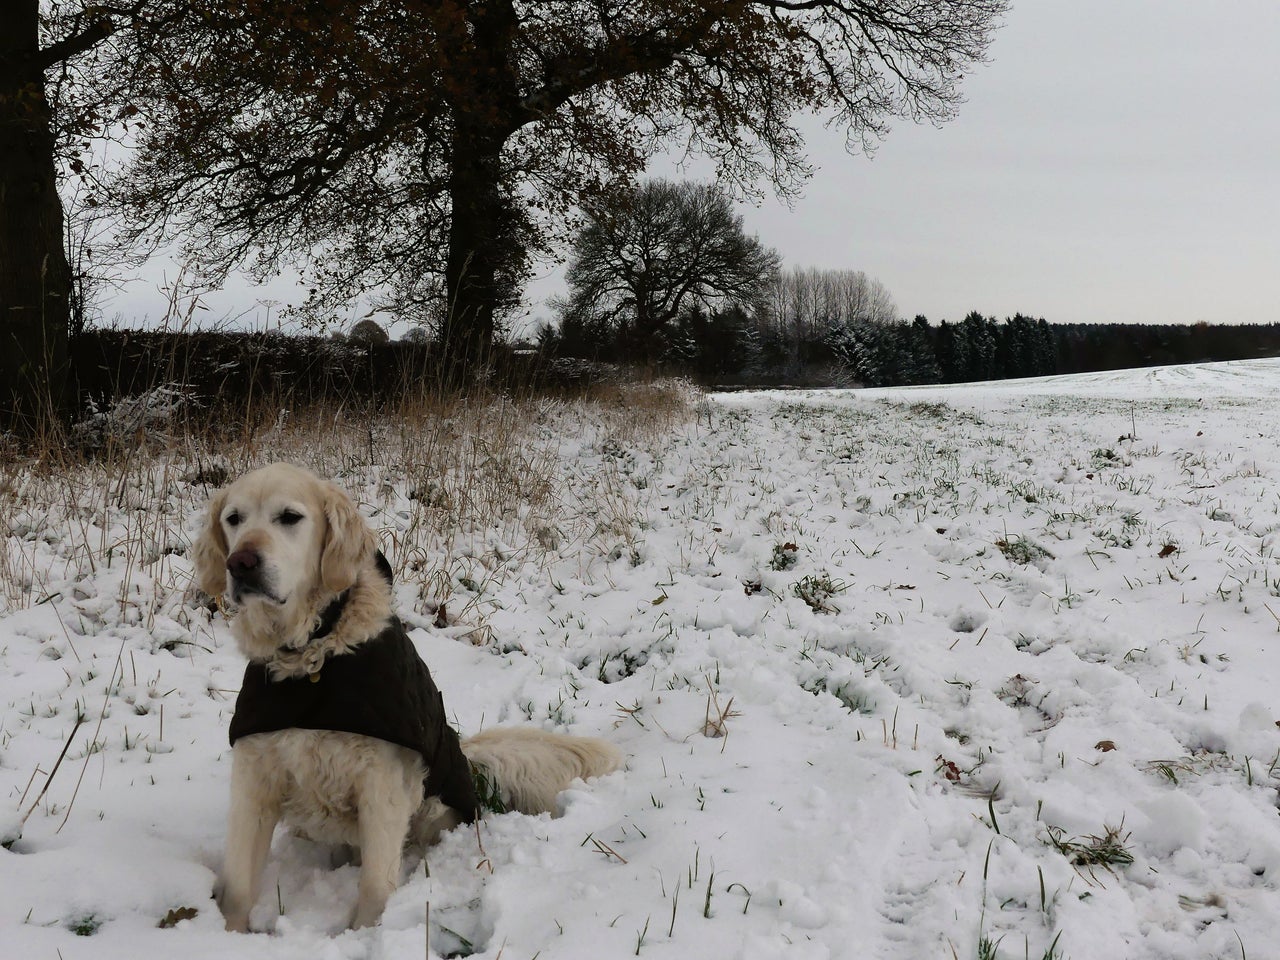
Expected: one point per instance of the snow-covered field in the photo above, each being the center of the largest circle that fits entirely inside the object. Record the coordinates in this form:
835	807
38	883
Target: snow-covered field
971	672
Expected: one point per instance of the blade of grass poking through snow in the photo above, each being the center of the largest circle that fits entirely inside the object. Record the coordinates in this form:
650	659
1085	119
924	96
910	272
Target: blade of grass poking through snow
729	889
102	713
641	935
49	779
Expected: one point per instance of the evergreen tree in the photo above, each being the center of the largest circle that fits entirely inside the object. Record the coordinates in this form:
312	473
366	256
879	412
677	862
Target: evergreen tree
948	351
865	352
980	339
1045	351
920	365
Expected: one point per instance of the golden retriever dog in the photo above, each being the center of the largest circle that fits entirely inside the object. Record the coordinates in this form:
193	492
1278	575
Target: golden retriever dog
339	730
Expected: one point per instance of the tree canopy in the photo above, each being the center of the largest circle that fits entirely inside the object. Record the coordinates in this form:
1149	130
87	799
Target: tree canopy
424	150
660	250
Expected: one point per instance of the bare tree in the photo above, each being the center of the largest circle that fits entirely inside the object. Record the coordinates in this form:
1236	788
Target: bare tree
808	305
659	250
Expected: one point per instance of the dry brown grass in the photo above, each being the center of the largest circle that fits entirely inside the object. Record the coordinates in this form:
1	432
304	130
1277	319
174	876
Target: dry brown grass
462	492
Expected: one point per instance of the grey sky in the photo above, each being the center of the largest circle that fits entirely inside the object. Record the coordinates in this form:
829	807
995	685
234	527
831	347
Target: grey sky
1116	161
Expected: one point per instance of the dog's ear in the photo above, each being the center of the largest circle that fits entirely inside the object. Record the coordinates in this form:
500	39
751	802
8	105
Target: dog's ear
348	541
209	553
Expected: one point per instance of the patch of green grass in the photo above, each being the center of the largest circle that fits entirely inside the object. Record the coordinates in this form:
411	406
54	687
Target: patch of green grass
784	556
852	699
1108	850
1104	457
817	590
86	925
488	793
1022	551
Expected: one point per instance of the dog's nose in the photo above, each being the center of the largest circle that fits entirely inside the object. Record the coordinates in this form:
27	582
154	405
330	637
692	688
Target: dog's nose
243	564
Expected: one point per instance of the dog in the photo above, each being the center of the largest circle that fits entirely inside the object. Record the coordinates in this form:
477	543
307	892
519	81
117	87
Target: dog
339	729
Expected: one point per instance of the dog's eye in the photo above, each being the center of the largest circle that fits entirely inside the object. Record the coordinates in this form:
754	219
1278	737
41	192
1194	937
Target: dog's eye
232	519
289	517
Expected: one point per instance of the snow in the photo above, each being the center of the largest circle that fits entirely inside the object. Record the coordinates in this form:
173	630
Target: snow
1017	619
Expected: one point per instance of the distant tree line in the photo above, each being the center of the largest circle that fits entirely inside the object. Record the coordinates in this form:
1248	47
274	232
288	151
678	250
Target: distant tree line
665	276
985	348
838	328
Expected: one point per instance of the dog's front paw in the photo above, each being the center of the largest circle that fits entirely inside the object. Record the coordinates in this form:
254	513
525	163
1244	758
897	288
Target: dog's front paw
368	912
235	915
365	918
238	923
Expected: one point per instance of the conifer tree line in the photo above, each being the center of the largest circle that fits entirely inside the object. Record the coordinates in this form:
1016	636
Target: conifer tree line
734	347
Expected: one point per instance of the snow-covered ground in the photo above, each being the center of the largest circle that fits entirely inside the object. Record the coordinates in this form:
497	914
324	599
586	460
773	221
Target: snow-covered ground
977	671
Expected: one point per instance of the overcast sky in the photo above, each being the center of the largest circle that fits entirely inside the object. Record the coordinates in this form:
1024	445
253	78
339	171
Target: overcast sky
1115	161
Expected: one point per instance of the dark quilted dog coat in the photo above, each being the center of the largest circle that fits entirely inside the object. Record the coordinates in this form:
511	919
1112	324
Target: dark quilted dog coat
381	689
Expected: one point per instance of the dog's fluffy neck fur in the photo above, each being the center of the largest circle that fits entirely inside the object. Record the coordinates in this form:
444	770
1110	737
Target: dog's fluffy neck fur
282	635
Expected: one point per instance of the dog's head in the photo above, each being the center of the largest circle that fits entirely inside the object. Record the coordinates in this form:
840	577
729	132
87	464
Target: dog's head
280	536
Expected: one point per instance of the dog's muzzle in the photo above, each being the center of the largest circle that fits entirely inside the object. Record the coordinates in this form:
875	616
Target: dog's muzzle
248	578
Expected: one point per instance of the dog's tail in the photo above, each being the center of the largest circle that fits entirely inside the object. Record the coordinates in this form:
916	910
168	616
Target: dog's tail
529	767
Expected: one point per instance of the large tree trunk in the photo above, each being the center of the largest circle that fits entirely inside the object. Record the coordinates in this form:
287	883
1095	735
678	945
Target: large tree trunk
476	238
34	276
486	249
